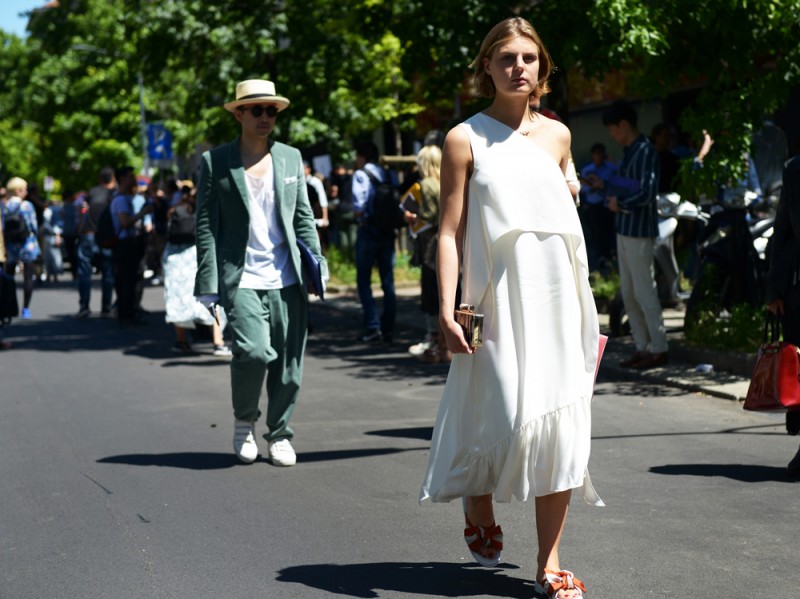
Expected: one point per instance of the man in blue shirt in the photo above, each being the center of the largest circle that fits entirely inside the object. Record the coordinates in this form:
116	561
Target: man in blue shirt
373	247
596	218
633	200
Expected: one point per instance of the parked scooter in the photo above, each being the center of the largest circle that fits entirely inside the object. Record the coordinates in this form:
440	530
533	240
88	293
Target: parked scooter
667	274
732	250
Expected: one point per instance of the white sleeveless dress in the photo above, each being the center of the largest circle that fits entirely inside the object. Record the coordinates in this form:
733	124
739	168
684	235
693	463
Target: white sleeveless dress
515	416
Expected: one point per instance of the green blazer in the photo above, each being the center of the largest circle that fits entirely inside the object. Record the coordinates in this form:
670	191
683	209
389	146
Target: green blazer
223	217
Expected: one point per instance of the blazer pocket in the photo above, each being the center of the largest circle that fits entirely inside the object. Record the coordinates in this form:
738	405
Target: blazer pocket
289	180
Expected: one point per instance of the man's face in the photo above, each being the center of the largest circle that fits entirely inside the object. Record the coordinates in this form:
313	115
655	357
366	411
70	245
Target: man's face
619	132
598	157
257	120
128	181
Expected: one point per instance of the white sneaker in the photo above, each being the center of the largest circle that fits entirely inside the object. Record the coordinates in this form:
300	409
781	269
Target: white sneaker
281	453
244	441
222	350
419	348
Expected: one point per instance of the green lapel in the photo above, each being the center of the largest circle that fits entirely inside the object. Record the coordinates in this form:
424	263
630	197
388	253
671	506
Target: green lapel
237	172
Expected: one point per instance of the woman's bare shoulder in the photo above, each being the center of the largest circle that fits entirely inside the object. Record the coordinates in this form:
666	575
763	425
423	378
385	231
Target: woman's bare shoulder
558	130
457	144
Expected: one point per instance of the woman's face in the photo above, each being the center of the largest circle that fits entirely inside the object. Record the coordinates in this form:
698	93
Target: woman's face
514	66
21	192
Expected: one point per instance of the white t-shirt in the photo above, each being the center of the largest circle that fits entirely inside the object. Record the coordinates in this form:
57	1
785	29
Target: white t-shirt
267	262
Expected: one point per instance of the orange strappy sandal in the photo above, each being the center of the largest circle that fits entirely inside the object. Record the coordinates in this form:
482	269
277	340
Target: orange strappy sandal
556	581
478	538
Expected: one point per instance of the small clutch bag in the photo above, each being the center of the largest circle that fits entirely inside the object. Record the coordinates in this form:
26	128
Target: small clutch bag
472	324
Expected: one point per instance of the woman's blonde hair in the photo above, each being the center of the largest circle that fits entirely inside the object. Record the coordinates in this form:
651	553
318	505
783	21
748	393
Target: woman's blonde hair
15	184
429	161
500	34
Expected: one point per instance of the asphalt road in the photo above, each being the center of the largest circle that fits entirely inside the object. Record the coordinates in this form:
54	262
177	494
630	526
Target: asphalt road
118	480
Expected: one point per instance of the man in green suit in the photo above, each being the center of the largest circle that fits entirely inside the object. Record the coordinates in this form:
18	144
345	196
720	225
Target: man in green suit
252	207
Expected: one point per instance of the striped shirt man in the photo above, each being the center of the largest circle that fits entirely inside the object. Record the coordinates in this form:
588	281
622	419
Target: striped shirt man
638	216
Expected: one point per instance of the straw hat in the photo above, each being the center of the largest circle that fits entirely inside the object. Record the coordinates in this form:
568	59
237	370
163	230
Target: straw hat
256	91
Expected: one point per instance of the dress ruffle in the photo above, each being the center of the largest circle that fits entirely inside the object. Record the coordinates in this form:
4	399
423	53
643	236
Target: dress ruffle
510	468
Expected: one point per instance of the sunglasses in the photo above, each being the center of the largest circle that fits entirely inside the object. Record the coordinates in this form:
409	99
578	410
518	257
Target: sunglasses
258	110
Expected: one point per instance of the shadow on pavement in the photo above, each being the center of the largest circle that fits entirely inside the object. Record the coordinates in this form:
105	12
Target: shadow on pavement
741	472
385	361
408	578
185	460
349	454
423	433
152	341
218	461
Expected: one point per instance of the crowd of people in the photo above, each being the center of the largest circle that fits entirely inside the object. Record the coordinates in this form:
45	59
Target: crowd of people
121	228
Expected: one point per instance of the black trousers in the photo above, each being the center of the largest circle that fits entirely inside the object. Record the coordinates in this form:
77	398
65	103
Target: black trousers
791	333
128	254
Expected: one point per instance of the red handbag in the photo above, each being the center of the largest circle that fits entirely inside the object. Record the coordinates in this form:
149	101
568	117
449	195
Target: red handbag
775	386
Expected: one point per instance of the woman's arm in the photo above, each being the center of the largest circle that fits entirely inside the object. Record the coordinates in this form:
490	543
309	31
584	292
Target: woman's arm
455	174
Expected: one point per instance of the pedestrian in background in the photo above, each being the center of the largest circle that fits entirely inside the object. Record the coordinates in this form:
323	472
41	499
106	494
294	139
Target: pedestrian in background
88	211
21	231
52	241
252	208
597	220
374	247
129	248
636	220
3	343
182	309
69	233
429	161
319	202
783	278
515	415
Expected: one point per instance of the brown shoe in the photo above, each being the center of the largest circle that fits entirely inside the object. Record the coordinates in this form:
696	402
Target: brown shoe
651	361
633	360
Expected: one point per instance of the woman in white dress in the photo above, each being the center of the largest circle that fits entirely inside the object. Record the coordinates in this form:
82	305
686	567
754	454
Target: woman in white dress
514	419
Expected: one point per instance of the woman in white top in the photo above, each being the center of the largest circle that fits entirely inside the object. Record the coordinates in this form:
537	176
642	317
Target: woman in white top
514	419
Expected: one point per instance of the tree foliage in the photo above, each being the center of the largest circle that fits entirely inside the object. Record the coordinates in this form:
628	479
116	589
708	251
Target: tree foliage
70	100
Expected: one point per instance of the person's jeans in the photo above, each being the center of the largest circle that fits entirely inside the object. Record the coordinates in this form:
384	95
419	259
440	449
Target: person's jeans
373	249
87	250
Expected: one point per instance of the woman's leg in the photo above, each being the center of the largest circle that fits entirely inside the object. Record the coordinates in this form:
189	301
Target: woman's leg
551	514
480	512
180	334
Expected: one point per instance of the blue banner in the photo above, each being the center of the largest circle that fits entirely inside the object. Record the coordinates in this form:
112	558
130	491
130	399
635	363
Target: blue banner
159	142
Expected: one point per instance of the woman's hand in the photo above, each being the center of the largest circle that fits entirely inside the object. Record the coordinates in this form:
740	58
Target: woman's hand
776	307
454	336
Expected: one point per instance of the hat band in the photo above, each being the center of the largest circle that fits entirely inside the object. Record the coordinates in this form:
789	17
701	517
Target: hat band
254	96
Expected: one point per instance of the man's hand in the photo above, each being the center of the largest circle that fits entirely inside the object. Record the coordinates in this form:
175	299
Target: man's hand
208	301
612	204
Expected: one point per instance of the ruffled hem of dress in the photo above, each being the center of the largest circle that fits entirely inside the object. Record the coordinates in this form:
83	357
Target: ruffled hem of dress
509	468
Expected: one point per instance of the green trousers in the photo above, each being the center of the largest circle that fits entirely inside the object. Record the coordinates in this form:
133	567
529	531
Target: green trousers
269	329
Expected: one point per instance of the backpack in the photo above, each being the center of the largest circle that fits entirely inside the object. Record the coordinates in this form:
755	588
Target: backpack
181	227
105	236
386	213
15	227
